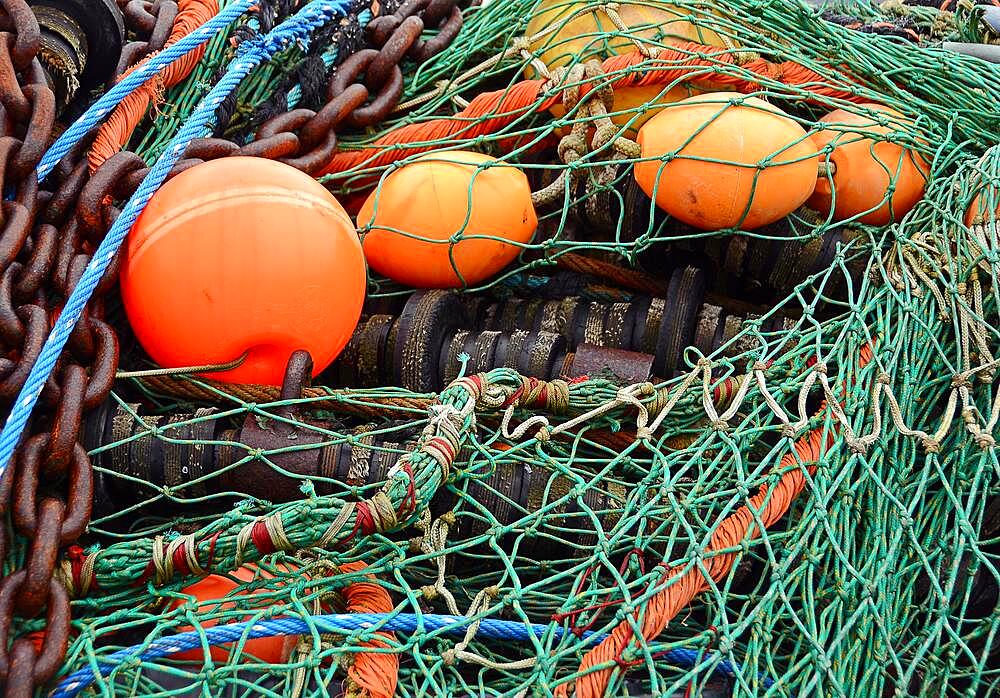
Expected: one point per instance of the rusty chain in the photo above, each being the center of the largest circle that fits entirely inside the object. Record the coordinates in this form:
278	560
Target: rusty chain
150	23
363	89
46	239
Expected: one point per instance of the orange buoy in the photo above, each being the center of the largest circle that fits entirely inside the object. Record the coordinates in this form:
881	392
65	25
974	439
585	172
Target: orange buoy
418	225
725	160
978	212
864	165
582	30
243	255
216	594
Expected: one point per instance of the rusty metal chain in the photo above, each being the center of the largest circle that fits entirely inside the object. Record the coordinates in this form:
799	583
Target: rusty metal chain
149	23
45	245
363	90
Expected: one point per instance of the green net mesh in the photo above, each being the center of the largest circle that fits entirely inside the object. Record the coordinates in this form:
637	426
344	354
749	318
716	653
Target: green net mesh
804	496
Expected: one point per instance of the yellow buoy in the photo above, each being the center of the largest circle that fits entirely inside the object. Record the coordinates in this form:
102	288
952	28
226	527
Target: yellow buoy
586	30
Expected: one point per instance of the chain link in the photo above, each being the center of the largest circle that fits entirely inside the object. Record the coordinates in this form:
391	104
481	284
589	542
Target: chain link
363	90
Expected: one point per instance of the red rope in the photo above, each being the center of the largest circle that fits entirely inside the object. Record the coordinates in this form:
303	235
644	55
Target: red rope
492	111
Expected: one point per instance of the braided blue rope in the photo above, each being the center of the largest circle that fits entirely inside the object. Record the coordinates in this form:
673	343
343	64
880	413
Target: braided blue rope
131	82
329	57
297	28
489	629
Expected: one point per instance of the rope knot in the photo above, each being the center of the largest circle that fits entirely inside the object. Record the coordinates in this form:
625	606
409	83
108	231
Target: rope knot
543	434
430	592
448	657
643	433
960	380
492	591
449	518
820	367
883	378
788	431
931	445
985	441
759	365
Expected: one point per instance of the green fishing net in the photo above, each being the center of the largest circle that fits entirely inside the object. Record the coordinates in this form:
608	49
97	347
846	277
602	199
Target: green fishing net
579	507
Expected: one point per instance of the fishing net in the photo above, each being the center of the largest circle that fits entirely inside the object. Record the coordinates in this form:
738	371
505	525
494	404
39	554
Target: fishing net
802	501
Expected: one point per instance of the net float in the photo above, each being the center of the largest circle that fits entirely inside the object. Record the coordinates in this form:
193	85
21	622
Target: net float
217	594
447	219
870	178
587	31
725	160
243	256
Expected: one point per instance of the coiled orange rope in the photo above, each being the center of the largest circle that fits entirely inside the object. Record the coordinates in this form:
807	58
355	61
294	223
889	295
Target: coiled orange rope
771	503
373	674
492	111
117	130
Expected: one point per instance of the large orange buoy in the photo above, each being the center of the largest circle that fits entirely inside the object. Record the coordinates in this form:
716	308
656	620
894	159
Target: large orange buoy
725	160
216	594
864	165
434	216
581	30
243	255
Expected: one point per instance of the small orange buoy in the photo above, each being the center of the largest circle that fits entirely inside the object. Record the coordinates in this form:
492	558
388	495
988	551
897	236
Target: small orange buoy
978	213
218	588
243	255
864	166
417	226
725	160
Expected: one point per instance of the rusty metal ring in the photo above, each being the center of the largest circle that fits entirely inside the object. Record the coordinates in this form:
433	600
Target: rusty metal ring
12	97
210	148
80	496
132	53
273	147
438	11
40	563
165	18
56	628
91	210
139	17
11	327
102	373
433	46
288	122
65	429
16	229
28	33
65	197
332	114
317	158
406	36
38	266
36	136
35	334
349	71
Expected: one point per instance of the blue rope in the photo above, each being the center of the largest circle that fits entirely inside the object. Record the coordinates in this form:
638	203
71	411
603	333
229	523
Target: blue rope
489	629
250	53
131	82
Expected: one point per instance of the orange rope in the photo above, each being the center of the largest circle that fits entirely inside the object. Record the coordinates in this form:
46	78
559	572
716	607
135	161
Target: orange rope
117	130
374	674
770	502
492	111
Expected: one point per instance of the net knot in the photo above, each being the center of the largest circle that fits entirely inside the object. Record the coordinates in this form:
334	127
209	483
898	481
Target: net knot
960	380
543	434
449	518
820	367
985	441
931	445
448	657
759	365
643	433
430	592
883	378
